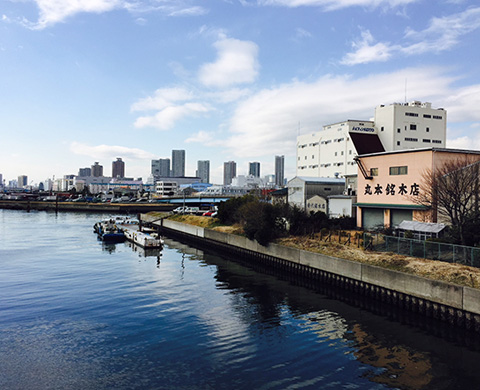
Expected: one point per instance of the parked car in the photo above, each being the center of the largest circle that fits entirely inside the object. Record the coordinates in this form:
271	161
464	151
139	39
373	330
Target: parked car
210	213
192	210
180	210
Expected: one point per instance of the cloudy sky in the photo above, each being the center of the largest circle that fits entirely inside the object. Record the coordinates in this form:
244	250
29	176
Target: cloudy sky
91	80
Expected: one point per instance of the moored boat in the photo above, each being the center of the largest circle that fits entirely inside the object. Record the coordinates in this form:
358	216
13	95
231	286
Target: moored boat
108	231
143	239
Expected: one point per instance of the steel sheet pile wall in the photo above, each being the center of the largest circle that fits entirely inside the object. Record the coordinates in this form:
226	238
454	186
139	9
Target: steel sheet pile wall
451	303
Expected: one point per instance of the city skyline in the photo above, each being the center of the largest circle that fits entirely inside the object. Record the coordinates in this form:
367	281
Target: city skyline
91	81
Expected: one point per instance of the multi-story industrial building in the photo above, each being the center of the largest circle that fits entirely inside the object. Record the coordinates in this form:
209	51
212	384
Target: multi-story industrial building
203	170
178	163
118	168
229	172
331	152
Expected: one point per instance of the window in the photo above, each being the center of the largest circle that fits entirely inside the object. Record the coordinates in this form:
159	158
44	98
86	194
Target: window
413	127
342	153
411	139
373	171
410	114
382	128
437	117
426	140
398	170
335	154
398	143
313	156
398	130
428	129
436	141
427	116
350	151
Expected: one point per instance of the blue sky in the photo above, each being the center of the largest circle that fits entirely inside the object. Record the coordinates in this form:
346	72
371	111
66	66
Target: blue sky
91	80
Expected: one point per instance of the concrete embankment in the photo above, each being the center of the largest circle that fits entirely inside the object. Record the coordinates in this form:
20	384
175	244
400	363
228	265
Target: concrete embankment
113	208
457	305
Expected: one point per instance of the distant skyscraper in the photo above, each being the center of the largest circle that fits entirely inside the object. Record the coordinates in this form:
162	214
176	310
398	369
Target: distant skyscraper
118	168
161	167
203	170
229	172
254	169
279	170
22	181
178	163
97	170
85	172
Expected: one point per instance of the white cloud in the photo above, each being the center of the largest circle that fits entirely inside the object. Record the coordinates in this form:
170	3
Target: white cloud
167	117
236	64
56	11
268	122
203	137
171	104
109	151
366	51
465	142
441	34
163	98
330	5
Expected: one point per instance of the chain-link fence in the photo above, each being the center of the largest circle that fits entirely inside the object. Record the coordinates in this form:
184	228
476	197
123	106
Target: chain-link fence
424	249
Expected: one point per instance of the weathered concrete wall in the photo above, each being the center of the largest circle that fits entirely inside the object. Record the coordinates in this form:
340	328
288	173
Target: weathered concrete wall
455	296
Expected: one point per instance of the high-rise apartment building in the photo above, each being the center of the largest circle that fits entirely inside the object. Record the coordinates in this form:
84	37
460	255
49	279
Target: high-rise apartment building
254	169
118	168
203	170
178	163
331	152
85	172
229	172
22	181
161	167
280	171
97	170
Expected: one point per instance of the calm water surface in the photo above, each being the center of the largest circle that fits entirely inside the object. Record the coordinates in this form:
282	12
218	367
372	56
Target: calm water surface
77	314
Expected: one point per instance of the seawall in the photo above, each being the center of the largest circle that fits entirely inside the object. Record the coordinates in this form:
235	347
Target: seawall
454	304
113	208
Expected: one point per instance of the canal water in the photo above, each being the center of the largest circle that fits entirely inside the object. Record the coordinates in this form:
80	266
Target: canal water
78	314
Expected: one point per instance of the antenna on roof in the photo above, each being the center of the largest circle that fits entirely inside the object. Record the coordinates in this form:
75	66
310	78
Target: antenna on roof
405	89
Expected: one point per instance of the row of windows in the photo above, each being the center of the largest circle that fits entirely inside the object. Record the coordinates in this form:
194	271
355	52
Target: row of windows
394	171
413	127
424	115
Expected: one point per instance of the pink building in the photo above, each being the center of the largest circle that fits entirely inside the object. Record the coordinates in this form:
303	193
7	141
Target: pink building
389	183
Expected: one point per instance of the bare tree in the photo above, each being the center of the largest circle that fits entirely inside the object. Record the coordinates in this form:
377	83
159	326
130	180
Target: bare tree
452	190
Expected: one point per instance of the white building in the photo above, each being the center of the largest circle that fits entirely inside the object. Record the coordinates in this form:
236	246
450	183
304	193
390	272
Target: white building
331	151
301	189
165	188
411	126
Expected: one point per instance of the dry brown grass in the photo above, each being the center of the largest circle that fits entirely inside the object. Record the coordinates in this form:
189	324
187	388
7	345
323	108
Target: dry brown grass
436	270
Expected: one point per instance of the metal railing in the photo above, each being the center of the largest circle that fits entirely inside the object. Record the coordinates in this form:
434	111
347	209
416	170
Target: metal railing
449	253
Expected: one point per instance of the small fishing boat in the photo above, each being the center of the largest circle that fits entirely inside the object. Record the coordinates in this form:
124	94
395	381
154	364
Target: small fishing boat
109	231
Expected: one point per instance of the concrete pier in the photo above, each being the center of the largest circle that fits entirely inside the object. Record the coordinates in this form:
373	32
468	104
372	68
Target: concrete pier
454	304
